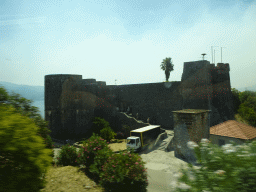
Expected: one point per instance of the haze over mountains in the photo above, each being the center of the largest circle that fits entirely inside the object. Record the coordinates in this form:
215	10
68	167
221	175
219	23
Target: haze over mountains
36	93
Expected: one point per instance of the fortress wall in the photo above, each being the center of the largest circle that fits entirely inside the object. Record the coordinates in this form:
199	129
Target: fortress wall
71	102
53	90
153	100
221	97
195	85
205	86
88	85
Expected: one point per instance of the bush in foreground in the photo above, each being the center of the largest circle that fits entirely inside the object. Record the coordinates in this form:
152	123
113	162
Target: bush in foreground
29	158
229	168
122	170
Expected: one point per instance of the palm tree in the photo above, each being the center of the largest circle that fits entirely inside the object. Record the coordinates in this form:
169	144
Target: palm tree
167	66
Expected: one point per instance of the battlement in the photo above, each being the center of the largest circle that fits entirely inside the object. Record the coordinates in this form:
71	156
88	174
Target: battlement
220	66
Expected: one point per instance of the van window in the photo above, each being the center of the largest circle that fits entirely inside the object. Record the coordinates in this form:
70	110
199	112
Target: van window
137	141
130	141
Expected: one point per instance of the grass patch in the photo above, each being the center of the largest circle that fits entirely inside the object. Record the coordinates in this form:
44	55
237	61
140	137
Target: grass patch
69	179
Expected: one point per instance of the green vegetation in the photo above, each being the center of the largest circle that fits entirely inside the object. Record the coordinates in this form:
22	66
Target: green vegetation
23	150
101	128
245	106
27	151
167	66
23	107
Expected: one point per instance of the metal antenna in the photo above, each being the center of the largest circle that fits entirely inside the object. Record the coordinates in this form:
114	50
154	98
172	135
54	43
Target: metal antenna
214	56
203	55
212	52
221	53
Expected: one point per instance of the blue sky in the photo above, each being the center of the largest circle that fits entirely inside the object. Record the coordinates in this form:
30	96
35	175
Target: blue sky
124	40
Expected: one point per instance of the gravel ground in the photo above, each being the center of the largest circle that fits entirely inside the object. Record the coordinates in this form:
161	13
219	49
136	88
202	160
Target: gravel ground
163	170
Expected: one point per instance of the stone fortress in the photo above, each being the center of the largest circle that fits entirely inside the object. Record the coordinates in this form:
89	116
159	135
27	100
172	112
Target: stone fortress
71	102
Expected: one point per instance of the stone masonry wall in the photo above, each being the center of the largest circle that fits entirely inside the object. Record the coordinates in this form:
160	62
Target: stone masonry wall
71	102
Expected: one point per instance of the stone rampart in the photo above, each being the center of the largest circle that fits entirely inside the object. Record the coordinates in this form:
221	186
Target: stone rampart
71	102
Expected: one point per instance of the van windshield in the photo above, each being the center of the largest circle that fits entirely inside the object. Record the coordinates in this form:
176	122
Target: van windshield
130	141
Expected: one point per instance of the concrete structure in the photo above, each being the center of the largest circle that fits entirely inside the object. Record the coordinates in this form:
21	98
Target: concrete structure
189	125
71	102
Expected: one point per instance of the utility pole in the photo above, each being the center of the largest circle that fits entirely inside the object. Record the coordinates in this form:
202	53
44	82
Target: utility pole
212	52
115	81
221	53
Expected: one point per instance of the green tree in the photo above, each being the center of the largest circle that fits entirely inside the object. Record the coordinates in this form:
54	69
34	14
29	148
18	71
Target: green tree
28	159
99	124
245	94
167	66
23	107
247	113
236	100
247	109
102	128
251	102
107	133
126	130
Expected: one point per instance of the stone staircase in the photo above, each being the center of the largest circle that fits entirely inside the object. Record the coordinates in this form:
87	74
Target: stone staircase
164	141
131	121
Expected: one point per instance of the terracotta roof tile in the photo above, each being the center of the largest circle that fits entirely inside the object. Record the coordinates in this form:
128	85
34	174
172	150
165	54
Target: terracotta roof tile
234	129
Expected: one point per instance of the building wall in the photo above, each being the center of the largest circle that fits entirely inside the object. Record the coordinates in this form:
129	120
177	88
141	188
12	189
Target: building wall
190	125
215	139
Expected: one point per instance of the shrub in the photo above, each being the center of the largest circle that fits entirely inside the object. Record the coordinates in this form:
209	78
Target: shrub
90	149
107	134
126	130
95	155
99	124
68	156
124	171
229	168
30	159
120	135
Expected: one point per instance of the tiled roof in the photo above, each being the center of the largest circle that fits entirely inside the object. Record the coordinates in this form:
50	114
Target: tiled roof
234	129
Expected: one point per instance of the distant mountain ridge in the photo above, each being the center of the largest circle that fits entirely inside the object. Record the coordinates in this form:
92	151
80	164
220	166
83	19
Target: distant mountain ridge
251	88
36	93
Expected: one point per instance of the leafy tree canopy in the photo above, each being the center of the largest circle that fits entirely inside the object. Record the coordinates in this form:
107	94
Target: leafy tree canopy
23	107
245	94
20	143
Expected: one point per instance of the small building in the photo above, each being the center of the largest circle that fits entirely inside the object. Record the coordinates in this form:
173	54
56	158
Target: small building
232	130
189	125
